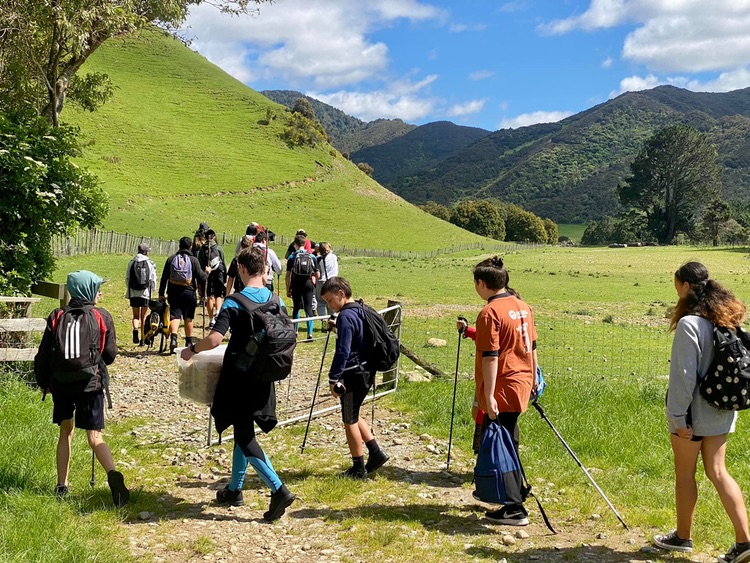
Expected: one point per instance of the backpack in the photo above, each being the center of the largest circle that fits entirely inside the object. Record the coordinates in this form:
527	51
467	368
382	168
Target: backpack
304	264
139	274
181	269
726	386
382	346
212	255
79	335
498	475
269	353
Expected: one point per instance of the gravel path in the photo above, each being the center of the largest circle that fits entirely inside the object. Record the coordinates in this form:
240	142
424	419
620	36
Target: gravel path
172	518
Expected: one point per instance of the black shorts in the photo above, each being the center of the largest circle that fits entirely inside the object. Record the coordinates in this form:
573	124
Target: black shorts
88	408
182	303
138	302
216	284
357	385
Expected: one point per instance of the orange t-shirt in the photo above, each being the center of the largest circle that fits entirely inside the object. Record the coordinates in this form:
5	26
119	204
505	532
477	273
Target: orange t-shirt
506	327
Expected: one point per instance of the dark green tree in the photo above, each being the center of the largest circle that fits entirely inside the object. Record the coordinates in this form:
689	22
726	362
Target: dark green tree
480	217
44	43
552	231
717	221
523	226
42	194
304	107
366	168
438	210
673	177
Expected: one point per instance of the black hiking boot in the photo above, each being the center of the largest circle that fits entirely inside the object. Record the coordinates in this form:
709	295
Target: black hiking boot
172	343
136	338
61	491
355	472
280	500
229	497
120	493
376	460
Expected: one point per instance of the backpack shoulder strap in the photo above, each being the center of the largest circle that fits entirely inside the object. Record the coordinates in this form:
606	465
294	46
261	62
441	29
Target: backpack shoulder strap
102	328
248	304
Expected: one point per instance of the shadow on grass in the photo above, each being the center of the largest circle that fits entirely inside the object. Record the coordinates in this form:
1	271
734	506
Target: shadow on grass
580	553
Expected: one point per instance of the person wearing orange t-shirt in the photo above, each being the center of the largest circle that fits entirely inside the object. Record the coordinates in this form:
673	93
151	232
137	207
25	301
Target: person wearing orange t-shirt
506	361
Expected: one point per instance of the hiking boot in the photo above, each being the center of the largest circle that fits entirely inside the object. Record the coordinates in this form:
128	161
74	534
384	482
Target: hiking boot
376	460
739	553
61	491
355	472
120	493
136	338
172	343
227	496
280	500
673	542
509	516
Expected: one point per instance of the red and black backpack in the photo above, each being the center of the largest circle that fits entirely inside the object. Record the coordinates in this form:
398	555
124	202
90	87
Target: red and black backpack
79	335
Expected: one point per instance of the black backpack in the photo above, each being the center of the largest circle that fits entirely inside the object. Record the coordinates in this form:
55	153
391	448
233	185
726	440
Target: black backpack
79	335
726	386
303	265
269	353
139	275
381	345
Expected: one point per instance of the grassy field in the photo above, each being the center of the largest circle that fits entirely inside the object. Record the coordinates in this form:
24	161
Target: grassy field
602	341
574	231
183	142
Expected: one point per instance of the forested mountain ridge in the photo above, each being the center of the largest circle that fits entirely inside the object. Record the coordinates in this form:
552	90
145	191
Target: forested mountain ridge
569	170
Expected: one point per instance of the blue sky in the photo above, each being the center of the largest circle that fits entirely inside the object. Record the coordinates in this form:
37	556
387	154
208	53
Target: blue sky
481	63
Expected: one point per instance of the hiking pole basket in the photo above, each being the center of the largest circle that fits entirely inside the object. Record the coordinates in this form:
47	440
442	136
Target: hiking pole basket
540	410
453	405
315	393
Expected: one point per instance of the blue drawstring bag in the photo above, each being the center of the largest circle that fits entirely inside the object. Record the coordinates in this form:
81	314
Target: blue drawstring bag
541	385
498	475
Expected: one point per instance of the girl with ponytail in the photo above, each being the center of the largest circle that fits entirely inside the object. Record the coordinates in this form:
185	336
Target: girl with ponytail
695	427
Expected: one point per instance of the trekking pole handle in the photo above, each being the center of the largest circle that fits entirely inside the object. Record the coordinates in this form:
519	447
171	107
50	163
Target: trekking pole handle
461	318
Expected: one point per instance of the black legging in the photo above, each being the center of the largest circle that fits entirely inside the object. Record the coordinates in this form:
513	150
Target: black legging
302	298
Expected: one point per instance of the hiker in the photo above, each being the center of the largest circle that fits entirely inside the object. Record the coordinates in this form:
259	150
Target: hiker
78	344
242	401
350	378
140	283
505	361
199	239
179	278
252	230
301	276
272	261
328	264
695	427
211	258
307	245
234	281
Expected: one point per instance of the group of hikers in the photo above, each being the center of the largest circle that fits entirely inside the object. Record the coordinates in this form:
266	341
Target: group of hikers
505	375
197	273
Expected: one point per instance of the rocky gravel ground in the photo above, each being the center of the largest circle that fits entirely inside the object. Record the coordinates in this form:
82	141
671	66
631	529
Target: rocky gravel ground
172	518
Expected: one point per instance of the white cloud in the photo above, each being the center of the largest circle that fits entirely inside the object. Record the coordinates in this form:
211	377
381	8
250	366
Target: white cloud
526	119
637	83
324	43
379	104
725	82
516	6
607	63
473	106
672	35
481	74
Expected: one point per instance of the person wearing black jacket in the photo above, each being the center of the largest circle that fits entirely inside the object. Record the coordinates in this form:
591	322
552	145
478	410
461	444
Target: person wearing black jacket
180	294
80	396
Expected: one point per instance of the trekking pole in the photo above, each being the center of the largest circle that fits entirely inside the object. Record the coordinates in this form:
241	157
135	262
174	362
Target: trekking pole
453	406
93	476
315	393
538	407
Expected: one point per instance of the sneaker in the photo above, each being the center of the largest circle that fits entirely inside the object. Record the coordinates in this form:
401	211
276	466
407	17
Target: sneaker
61	491
309	338
172	343
738	554
120	493
376	460
509	516
227	496
136	338
355	473
280	500
672	542
212	322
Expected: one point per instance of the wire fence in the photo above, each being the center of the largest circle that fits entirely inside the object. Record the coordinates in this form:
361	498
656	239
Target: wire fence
96	241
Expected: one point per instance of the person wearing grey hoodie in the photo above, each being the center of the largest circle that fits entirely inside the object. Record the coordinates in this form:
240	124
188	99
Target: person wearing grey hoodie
695	427
80	328
140	282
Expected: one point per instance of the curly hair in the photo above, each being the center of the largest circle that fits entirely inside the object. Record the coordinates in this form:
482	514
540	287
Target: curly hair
706	298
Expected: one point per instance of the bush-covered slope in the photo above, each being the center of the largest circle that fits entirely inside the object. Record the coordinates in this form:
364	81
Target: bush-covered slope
183	142
569	170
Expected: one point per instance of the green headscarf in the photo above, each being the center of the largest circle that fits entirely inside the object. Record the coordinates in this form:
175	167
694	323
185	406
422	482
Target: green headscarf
84	285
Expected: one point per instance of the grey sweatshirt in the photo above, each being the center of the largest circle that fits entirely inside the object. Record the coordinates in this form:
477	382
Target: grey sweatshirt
692	353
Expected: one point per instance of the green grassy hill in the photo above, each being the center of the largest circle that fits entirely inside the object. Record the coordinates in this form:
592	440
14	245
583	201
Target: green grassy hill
183	142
